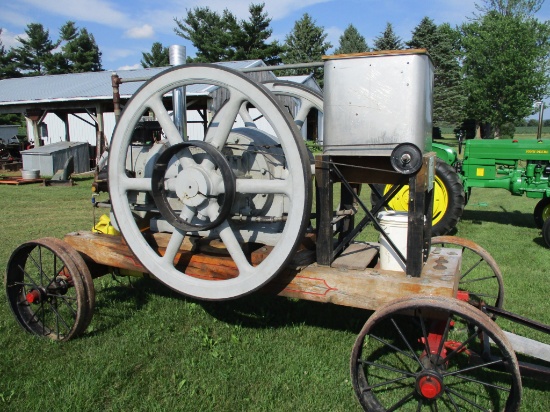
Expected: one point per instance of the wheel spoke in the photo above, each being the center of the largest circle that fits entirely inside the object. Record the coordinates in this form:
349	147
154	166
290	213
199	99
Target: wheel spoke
385	383
406	341
128	184
38	266
476	280
458	395
59	317
471	368
234	248
245	115
444	338
261	186
169	128
395	348
173	247
386	367
461	346
475	265
490	385
224	120
304	110
402	402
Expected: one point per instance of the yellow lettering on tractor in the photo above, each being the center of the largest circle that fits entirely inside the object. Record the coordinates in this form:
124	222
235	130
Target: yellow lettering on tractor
480	171
532	151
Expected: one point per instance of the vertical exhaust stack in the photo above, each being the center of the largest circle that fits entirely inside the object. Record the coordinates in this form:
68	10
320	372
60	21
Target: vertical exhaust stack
177	57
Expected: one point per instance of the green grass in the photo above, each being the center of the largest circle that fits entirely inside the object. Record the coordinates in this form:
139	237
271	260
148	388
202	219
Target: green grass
150	349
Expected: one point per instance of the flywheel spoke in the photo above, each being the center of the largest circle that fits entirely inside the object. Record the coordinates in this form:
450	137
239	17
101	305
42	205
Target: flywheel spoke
234	248
141	184
255	186
170	130
223	122
245	115
301	116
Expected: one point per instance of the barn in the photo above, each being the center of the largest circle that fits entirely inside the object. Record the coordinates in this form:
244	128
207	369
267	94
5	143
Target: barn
79	107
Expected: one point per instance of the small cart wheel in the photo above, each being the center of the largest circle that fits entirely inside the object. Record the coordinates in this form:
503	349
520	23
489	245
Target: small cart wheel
50	289
480	275
434	353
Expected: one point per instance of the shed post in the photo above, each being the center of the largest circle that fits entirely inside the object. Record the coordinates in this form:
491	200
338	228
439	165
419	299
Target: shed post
100	136
34	115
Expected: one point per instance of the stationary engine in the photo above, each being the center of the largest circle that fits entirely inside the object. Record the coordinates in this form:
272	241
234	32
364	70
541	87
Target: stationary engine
250	153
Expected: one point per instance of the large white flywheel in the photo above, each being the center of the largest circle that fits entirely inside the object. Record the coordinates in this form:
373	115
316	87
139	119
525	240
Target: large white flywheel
205	185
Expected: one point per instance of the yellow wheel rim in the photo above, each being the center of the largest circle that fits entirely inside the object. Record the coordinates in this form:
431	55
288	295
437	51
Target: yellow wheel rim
441	200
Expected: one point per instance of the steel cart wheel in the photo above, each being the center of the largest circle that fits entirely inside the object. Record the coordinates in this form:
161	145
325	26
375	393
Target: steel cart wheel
202	186
49	289
480	275
434	353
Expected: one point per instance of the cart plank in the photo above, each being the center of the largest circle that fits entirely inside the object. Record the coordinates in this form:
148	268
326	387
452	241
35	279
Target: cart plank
365	288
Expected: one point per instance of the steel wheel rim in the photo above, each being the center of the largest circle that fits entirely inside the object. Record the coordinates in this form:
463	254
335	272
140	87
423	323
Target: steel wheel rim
46	292
389	366
480	274
296	187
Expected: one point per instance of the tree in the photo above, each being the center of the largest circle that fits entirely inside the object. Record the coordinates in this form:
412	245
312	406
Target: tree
442	43
78	52
35	50
517	8
351	42
81	51
221	37
251	41
388	40
159	56
8	64
213	35
505	66
305	43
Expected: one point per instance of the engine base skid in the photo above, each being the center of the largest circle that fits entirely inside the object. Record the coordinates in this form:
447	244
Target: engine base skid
343	284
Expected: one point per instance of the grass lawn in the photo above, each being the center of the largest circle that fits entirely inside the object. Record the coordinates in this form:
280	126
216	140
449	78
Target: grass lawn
151	349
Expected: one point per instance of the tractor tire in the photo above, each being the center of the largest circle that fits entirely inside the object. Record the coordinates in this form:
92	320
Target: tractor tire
542	212
546	232
449	199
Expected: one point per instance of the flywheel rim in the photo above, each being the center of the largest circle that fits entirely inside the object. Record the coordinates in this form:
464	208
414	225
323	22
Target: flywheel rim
296	187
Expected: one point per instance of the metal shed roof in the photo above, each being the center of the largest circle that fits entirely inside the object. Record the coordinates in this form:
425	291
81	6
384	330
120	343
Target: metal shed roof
88	86
52	148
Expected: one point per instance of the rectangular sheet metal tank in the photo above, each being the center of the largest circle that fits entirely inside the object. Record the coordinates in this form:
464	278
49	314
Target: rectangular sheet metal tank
51	158
375	101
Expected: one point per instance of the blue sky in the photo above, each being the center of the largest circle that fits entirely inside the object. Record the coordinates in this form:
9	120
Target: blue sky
124	29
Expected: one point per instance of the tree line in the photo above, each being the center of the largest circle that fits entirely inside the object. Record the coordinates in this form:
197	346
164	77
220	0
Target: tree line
492	68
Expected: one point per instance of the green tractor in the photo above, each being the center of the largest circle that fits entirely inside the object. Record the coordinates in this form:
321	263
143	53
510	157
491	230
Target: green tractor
519	166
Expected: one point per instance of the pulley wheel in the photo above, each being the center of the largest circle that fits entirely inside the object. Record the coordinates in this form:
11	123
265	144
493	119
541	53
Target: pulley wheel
406	158
202	186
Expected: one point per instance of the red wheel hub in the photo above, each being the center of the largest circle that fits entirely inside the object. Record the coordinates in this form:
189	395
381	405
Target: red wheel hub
429	386
33	296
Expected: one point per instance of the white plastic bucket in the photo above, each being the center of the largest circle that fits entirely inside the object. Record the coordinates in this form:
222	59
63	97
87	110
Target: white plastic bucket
395	224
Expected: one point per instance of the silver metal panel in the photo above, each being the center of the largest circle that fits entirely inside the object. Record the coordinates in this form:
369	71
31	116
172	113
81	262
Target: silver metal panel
374	102
50	158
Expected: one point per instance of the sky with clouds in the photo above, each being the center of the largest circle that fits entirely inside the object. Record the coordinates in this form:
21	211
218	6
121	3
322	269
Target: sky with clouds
124	29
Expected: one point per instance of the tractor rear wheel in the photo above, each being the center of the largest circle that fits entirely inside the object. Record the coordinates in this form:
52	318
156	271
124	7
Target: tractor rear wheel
542	212
449	199
546	232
